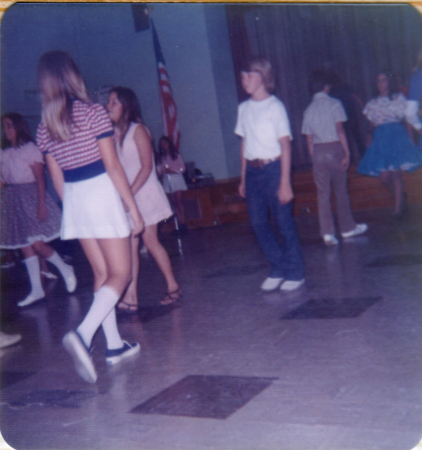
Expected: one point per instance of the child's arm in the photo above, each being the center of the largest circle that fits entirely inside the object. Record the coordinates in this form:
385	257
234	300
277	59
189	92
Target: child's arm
38	171
56	175
242	189
285	191
118	177
342	136
143	144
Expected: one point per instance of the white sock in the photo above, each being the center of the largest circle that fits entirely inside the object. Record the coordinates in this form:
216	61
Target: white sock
111	332
105	300
33	267
64	268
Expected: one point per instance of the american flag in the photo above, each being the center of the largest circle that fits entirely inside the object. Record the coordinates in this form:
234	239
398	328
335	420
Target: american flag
168	106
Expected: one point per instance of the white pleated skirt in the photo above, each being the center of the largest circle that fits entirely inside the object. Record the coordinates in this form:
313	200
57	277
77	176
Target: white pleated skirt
93	208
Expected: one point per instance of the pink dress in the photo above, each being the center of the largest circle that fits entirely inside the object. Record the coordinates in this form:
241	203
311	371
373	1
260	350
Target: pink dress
151	199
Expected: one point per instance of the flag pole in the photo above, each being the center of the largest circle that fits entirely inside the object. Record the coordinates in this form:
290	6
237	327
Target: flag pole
168	112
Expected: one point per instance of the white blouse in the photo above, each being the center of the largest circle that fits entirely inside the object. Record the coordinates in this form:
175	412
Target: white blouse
382	110
16	162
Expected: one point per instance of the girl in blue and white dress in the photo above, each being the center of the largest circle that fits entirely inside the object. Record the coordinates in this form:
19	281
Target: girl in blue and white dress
391	150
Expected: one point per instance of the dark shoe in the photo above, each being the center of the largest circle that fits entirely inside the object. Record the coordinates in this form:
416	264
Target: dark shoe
172	297
115	356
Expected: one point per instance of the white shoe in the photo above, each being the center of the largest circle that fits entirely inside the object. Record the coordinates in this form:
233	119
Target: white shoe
270	284
81	358
291	285
8	339
329	239
49	275
360	229
32	297
143	250
70	281
115	356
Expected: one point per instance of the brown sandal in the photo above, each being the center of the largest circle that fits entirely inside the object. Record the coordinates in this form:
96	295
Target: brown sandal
172	297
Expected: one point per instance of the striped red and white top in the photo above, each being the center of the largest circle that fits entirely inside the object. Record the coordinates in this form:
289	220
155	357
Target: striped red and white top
90	123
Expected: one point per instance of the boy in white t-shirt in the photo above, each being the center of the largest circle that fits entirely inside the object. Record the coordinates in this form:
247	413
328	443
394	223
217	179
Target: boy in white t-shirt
264	127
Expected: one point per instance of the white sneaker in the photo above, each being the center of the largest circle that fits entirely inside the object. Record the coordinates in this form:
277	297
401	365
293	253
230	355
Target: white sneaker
70	280
360	229
31	298
8	339
270	284
291	285
81	358
329	239
143	250
115	356
49	275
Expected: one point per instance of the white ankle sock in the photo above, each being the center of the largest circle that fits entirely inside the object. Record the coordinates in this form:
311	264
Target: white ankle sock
105	300
64	268
111	332
33	267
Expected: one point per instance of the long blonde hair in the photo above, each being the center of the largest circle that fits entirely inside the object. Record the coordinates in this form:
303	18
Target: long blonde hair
60	83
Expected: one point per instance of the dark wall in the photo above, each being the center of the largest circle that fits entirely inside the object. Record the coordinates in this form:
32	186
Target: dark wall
356	41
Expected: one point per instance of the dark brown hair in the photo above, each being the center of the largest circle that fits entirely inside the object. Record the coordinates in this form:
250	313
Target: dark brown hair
131	111
162	153
21	127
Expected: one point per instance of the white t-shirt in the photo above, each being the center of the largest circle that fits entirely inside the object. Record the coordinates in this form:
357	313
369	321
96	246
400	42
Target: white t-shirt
262	124
16	162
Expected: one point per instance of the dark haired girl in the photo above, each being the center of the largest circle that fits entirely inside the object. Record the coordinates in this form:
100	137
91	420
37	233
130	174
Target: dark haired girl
30	217
134	148
391	149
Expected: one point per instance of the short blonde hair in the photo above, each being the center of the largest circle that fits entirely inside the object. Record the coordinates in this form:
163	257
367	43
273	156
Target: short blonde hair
60	83
264	68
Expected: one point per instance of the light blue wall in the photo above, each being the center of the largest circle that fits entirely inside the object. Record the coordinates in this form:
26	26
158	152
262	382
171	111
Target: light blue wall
102	39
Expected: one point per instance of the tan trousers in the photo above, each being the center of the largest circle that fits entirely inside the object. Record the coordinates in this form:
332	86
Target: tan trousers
326	168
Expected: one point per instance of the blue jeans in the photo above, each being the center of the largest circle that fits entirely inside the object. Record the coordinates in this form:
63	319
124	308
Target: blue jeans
261	194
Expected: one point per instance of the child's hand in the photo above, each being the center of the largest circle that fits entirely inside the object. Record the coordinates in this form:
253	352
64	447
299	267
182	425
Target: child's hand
345	163
285	193
138	222
242	189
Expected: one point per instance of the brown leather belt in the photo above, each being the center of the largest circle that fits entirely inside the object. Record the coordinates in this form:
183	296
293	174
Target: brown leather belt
259	163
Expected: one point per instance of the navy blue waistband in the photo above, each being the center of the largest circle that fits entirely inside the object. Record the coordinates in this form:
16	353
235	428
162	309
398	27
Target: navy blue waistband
85	172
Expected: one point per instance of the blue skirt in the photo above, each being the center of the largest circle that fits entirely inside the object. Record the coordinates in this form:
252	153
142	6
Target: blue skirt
391	149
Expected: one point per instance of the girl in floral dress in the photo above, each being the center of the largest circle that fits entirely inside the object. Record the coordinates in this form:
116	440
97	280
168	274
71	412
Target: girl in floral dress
391	150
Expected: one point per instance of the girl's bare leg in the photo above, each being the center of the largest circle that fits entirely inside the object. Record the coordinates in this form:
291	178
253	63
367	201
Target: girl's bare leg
387	180
161	257
398	191
130	300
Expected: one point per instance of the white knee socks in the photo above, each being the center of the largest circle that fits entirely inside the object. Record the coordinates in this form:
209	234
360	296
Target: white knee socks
102	310
111	332
66	271
37	292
